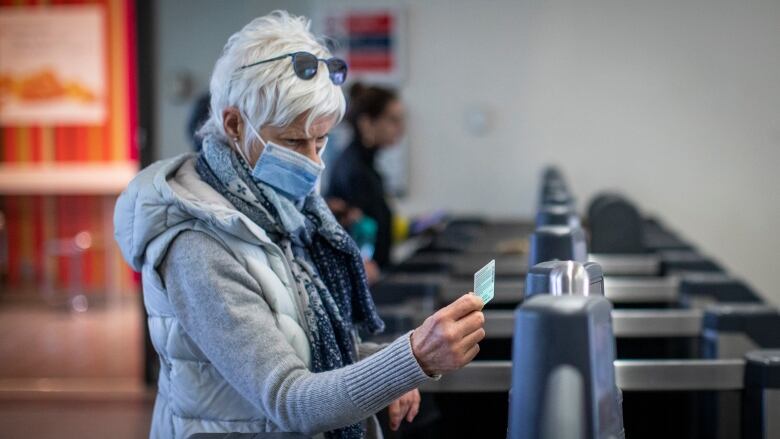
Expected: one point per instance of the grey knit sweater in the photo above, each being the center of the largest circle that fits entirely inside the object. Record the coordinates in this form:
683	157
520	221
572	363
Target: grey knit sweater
216	304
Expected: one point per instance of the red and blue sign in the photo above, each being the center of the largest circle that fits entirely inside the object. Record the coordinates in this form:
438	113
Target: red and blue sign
370	42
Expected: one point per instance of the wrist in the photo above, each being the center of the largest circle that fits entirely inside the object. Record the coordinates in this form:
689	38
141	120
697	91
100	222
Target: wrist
415	352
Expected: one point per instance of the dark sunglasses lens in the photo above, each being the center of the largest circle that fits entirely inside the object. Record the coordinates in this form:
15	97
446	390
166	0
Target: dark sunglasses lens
338	70
305	65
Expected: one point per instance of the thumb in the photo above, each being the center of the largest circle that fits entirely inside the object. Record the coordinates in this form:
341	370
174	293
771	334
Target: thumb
463	306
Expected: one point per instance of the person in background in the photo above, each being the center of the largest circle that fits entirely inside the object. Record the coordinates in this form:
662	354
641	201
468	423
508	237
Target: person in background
254	292
199	114
376	116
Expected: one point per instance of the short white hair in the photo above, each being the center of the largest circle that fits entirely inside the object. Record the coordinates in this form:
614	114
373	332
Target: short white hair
271	94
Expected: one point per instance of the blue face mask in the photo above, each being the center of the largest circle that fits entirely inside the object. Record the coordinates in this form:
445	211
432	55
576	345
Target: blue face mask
287	171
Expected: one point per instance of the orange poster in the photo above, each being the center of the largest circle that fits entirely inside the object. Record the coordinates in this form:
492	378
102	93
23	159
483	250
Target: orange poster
52	68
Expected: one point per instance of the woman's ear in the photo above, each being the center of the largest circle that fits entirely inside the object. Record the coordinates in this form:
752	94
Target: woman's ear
232	123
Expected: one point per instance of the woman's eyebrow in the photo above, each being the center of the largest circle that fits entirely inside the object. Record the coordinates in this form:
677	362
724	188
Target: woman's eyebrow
301	135
294	134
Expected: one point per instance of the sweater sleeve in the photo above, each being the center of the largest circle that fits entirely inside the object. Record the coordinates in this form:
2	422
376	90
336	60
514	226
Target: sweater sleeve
366	349
218	305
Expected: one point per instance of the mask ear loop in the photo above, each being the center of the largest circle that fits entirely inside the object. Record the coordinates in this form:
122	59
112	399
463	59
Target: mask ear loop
240	151
254	131
251	128
322	150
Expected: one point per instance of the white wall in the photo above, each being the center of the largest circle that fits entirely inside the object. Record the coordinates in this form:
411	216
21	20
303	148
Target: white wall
677	104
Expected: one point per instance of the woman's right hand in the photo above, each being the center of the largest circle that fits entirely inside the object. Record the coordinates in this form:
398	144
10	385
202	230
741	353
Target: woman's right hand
447	340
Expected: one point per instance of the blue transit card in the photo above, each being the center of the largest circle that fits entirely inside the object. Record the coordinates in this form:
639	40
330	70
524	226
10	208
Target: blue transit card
485	281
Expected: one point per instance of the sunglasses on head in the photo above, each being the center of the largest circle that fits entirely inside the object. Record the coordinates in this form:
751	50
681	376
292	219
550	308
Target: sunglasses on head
306	64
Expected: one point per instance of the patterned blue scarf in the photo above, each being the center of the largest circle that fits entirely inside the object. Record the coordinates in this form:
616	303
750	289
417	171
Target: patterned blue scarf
325	261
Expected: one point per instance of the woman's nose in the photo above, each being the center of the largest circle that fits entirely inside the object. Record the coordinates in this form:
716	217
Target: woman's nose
311	151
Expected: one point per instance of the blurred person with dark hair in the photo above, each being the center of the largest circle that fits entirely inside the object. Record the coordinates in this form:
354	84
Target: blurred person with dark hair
198	116
376	116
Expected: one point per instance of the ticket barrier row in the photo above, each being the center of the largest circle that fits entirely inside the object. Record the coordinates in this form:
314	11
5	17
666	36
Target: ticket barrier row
639	290
635	280
623	242
655	251
564	351
690	289
725	331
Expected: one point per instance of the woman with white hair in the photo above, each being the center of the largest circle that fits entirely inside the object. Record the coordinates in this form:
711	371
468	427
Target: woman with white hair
254	292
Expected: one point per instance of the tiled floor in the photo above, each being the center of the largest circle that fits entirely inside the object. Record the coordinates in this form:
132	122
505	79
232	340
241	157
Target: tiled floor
66	374
83	420
38	340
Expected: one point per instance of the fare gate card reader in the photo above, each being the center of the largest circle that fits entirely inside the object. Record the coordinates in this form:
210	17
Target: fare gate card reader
563	277
563	377
563	353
